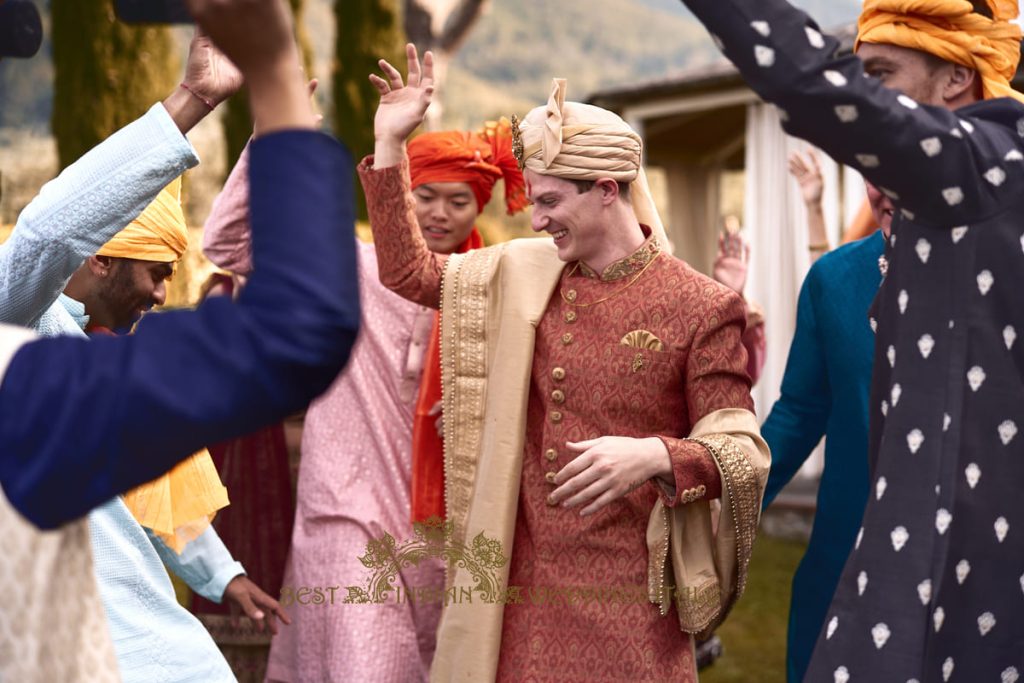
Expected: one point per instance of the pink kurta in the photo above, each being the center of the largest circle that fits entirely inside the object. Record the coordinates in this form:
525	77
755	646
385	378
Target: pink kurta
354	484
595	373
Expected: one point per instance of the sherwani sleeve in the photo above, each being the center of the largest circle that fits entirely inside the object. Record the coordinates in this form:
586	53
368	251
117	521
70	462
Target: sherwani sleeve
75	414
405	264
716	379
799	418
205	564
703	549
755	342
81	209
227	235
941	167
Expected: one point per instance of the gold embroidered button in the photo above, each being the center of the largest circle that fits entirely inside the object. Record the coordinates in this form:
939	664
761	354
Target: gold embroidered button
567	338
558	374
558	396
570	316
551	454
550	477
570	296
556	416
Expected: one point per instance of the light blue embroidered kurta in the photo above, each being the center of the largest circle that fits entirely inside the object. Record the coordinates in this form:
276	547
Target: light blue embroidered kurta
156	640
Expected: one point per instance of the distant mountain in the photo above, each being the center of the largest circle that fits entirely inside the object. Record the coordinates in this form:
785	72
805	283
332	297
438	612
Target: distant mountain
515	49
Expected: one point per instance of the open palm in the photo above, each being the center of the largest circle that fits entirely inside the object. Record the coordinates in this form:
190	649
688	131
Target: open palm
403	105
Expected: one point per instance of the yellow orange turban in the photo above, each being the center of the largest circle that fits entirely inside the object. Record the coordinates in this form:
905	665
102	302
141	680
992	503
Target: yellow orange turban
158	234
578	141
953	32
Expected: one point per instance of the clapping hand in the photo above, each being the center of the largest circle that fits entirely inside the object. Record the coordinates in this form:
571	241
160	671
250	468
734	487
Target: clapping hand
807	172
732	261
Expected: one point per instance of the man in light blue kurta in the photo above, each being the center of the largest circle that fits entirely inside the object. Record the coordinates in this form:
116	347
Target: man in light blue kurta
155	639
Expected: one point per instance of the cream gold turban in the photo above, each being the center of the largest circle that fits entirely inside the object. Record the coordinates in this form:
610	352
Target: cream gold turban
158	234
953	32
578	141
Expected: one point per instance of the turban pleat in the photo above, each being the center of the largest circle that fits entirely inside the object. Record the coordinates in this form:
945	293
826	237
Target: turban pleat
952	31
480	158
576	141
158	234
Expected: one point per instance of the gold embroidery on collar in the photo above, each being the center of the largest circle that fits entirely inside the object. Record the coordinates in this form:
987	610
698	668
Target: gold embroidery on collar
628	265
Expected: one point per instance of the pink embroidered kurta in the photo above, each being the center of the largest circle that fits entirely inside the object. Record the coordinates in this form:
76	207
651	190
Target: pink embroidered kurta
651	360
354	484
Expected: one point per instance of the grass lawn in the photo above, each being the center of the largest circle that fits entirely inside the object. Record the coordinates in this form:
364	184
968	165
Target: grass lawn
754	635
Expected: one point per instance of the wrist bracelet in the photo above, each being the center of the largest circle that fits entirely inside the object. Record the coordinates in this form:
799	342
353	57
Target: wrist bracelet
823	246
205	100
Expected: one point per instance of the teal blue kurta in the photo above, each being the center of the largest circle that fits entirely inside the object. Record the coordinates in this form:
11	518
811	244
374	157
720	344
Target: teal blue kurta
825	391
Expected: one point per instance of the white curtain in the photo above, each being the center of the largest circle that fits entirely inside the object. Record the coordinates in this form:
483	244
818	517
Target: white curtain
776	226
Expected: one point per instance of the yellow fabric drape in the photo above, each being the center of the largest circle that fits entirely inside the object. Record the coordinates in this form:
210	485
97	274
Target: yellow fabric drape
179	506
159	233
953	32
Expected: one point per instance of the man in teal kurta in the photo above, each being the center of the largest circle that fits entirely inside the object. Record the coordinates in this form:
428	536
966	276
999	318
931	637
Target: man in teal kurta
825	392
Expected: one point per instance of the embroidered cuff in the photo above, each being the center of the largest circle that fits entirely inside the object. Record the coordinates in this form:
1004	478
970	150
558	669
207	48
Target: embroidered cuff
695	472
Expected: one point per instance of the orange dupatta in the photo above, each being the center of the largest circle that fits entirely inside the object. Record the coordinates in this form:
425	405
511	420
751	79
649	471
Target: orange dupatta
427	444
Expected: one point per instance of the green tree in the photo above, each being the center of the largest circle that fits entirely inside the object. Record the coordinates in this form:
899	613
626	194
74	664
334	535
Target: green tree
237	119
106	74
367	31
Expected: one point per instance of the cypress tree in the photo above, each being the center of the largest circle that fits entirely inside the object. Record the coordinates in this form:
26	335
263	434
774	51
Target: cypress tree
106	73
367	31
237	115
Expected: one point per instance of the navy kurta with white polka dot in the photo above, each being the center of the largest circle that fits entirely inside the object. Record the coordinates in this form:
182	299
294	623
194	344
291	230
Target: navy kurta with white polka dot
934	589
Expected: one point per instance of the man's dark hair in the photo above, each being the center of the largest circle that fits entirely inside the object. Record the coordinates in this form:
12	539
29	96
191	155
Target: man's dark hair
584	186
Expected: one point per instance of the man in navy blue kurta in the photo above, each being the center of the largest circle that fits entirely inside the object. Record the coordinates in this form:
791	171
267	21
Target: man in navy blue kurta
825	392
932	590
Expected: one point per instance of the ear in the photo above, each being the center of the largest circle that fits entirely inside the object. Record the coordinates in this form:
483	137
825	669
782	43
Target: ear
959	82
100	266
608	190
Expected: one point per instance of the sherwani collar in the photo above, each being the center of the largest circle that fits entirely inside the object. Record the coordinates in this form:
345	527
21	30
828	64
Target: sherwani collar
629	265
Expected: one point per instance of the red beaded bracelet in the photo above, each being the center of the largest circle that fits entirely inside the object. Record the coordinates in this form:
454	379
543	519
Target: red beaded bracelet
205	100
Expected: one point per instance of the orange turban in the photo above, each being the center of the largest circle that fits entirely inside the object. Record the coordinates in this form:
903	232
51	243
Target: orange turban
480	159
953	32
158	234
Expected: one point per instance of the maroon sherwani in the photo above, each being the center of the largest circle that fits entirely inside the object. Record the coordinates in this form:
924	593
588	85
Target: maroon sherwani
661	352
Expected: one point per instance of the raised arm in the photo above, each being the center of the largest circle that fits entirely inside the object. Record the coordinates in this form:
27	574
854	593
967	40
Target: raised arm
922	164
227	235
93	199
191	378
405	263
76	414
